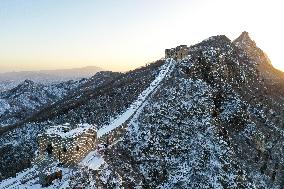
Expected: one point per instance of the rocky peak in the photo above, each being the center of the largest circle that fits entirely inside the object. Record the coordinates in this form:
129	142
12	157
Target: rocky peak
26	85
246	43
249	46
244	39
28	82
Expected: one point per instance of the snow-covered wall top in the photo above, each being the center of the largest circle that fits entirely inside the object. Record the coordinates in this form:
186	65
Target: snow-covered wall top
69	131
165	69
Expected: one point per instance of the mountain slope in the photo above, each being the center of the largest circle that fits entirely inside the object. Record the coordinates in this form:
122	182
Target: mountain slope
28	97
214	121
106	102
113	95
272	78
22	102
210	125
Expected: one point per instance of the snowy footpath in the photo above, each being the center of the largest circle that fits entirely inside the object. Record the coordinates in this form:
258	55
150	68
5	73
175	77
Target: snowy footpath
165	69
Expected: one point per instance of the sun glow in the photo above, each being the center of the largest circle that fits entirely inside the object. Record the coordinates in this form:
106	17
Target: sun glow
124	35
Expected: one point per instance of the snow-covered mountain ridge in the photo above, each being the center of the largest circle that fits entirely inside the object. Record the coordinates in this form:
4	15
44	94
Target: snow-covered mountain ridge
28	96
215	121
100	98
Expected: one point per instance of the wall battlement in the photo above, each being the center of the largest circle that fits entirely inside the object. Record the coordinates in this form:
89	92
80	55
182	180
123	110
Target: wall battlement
177	53
68	143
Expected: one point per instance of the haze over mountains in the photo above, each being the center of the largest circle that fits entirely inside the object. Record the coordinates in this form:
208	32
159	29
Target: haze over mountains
11	79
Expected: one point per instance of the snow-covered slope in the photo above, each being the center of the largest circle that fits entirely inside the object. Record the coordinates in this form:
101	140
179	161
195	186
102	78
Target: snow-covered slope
123	118
19	102
211	120
7	85
105	103
99	100
94	159
211	124
22	142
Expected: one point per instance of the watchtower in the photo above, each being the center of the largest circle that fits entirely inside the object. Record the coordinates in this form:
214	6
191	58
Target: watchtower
177	53
68	143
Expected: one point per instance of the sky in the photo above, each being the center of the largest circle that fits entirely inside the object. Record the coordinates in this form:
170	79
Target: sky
126	34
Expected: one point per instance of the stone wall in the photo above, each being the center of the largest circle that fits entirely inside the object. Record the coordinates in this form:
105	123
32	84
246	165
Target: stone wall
177	53
114	135
68	151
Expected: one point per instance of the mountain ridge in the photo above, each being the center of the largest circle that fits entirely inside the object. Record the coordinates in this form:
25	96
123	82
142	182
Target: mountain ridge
216	121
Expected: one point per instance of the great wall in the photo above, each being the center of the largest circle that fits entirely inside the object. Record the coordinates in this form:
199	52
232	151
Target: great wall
77	145
74	145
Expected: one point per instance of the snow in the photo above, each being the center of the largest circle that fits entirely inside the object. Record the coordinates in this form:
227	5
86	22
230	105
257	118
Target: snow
93	160
4	105
28	179
12	182
59	130
141	98
7	85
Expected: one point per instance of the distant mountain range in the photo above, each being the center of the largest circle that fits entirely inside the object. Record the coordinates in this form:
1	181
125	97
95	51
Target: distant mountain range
10	80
